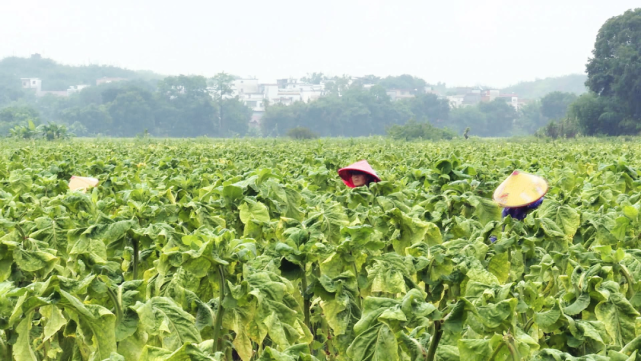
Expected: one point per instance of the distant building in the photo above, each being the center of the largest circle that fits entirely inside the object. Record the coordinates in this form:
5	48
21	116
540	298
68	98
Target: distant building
105	80
468	96
398	94
258	95
456	101
36	84
511	99
57	93
74	89
32	83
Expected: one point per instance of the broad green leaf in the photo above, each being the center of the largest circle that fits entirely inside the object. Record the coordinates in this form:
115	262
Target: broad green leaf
500	267
253	210
470	349
54	320
374	344
485	209
163	317
618	315
97	318
581	303
22	350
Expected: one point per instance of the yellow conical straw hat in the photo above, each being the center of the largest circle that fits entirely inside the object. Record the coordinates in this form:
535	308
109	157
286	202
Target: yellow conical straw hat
520	189
82	183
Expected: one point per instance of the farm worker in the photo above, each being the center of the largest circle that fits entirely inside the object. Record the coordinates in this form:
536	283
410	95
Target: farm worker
519	194
82	183
358	174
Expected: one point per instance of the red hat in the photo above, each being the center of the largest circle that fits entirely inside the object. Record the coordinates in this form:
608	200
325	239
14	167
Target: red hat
361	166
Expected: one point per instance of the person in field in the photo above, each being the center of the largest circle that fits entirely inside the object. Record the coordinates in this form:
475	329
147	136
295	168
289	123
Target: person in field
358	174
519	194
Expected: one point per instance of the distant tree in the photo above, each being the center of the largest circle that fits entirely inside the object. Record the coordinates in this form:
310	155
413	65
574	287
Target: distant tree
466	133
17	115
182	85
367	79
131	114
184	107
337	85
463	117
574	83
404	81
94	118
530	118
418	130
614	77
10	90
53	131
597	115
614	71
237	117
429	106
301	133
24	131
221	85
314	78
500	117
357	112
555	105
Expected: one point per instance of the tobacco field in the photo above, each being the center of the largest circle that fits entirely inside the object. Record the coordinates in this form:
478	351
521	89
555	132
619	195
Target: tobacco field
256	250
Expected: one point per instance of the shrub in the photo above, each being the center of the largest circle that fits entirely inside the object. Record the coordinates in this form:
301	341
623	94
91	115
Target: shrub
564	128
301	133
423	130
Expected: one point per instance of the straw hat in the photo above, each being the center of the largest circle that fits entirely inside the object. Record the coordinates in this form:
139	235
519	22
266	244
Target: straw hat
82	183
360	166
520	189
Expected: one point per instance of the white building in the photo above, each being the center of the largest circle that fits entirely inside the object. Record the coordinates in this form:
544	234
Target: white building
456	101
258	95
36	84
32	83
74	89
105	80
398	94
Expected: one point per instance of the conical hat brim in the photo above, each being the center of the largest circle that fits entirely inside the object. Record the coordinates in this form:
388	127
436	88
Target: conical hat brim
520	189
82	183
360	166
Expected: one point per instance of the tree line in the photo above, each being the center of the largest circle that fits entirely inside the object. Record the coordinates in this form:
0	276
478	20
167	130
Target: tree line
613	104
176	106
189	106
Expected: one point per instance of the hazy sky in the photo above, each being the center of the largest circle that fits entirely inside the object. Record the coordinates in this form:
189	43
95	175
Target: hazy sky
460	42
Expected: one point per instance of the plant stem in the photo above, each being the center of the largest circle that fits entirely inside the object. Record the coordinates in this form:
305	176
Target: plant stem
629	280
438	332
219	315
135	245
117	307
358	296
496	351
528	325
512	351
307	304
306	301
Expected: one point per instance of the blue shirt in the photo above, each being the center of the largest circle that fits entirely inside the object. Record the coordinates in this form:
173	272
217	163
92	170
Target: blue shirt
518	213
521	212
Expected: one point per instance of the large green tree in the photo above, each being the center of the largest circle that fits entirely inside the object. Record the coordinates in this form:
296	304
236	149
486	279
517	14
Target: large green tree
614	72
95	118
555	104
131	113
221	88
17	115
429	106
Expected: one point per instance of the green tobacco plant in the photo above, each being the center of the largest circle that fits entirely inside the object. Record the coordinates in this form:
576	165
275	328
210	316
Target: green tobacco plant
256	250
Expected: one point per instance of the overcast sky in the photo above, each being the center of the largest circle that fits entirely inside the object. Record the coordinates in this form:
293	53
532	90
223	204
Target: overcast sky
460	42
